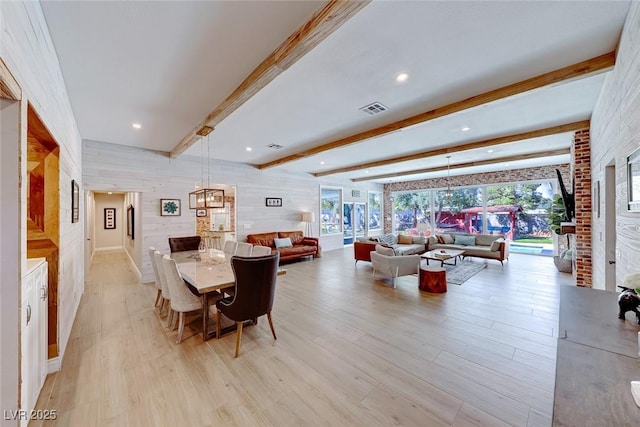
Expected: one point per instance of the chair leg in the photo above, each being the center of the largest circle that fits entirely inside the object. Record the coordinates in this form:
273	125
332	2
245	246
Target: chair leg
238	337
180	327
170	317
158	297
273	332
218	327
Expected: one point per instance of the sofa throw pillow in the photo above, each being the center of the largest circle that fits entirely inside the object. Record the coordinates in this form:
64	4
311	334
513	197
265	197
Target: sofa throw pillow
465	240
495	245
403	239
389	239
418	240
283	243
448	239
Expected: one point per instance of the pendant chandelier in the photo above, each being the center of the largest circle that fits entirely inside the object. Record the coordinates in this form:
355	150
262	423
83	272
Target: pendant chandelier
448	193
206	197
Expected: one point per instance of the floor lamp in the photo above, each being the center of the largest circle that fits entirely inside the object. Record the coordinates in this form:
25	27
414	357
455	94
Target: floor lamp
308	218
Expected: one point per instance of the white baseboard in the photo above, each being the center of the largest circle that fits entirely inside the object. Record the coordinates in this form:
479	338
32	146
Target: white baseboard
109	248
54	364
135	267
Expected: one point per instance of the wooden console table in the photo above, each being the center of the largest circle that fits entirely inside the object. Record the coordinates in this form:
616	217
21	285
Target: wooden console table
597	360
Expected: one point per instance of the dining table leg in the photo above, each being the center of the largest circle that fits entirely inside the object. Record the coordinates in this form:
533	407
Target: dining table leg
205	316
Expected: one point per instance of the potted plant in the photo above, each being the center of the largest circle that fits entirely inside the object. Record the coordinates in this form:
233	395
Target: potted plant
557	215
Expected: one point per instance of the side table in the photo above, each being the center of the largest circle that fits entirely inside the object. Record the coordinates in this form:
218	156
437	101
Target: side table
433	279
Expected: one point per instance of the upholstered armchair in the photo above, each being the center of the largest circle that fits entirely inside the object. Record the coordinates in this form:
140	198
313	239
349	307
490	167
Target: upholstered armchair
384	261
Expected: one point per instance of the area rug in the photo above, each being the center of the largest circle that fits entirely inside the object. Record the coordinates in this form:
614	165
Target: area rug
458	274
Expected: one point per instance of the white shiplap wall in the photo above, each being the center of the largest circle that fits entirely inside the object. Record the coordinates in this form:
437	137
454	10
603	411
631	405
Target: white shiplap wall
615	133
28	52
156	176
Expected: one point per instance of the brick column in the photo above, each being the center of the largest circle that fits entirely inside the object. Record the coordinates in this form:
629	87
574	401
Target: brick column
581	154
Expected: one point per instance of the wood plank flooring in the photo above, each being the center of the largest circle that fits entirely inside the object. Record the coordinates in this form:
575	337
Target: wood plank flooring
351	351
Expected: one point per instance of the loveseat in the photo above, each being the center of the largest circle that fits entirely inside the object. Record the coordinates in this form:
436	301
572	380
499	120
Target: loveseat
488	246
298	246
401	245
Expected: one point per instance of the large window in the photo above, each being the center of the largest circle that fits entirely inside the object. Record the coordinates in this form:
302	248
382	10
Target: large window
412	212
375	212
330	210
458	213
520	211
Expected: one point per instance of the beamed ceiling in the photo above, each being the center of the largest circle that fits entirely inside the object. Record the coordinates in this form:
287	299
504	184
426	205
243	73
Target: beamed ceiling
521	76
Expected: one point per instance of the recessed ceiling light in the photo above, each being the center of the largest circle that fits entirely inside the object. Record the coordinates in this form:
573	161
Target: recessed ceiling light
137	126
402	77
322	163
248	148
366	171
506	164
465	129
489	151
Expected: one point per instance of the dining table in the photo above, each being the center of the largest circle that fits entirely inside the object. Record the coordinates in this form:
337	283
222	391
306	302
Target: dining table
208	273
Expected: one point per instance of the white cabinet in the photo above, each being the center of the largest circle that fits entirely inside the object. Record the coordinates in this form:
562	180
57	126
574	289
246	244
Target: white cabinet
34	332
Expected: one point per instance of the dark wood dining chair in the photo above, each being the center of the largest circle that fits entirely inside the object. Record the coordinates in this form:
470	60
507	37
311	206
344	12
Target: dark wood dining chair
254	292
181	244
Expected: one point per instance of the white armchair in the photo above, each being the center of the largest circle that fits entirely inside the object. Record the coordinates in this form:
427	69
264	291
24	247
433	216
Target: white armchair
394	265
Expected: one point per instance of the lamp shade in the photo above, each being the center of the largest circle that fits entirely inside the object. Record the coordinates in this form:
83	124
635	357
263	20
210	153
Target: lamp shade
308	217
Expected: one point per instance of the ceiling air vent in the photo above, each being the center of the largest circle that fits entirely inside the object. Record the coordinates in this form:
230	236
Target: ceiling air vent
274	146
373	108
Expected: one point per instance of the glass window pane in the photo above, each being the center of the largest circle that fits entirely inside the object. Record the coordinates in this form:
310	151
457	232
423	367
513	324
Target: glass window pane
460	213
375	211
412	213
330	210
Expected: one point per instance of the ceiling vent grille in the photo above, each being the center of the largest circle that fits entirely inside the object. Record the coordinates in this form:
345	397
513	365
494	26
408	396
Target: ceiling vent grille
275	146
373	108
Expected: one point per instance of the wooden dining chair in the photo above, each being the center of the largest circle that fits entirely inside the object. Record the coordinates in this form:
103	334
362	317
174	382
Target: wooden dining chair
244	249
254	295
159	299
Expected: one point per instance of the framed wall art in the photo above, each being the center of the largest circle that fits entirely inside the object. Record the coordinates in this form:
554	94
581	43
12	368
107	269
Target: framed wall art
273	201
109	218
170	207
633	180
201	212
75	201
130	224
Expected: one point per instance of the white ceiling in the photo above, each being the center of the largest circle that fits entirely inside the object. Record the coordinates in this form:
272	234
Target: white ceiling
168	64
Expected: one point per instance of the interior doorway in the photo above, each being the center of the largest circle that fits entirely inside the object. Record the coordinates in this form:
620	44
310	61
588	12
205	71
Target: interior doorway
610	225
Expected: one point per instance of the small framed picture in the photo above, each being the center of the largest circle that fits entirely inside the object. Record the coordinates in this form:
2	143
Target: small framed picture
109	218
170	207
273	201
75	201
201	212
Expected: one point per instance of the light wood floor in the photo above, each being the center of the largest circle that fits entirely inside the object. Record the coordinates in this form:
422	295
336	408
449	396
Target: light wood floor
351	351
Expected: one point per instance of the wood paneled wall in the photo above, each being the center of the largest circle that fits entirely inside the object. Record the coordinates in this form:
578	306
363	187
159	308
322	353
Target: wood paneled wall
112	167
615	133
29	54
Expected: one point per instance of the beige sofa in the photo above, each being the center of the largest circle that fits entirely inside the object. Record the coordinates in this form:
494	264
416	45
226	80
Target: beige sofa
401	245
488	246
